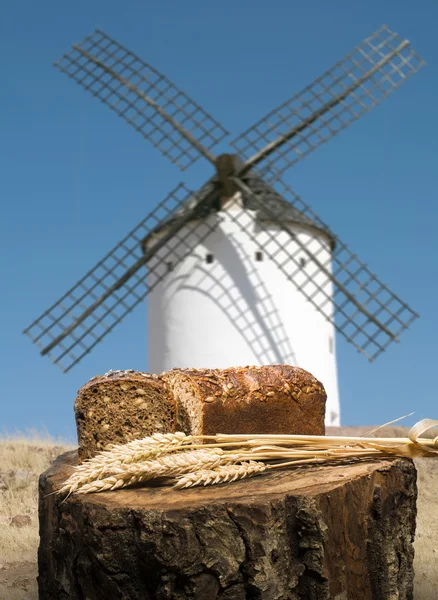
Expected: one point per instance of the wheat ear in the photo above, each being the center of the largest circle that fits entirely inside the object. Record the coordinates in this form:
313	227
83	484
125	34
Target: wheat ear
168	465
104	463
221	474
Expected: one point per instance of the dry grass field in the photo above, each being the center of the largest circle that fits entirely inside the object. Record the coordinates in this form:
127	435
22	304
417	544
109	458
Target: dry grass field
22	459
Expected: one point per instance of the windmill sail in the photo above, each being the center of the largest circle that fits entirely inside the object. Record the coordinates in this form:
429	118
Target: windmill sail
144	98
335	281
353	86
362	309
73	326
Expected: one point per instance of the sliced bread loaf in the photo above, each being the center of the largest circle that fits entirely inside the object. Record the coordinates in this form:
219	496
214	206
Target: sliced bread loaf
121	406
265	399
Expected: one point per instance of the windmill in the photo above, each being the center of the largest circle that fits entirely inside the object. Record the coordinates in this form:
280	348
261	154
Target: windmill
241	271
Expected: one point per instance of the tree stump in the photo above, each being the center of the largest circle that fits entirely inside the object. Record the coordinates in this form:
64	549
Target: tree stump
328	532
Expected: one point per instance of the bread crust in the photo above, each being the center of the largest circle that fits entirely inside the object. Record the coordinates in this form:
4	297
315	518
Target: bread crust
118	376
264	399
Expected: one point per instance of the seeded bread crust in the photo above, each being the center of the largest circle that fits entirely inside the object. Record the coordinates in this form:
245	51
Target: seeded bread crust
267	399
121	406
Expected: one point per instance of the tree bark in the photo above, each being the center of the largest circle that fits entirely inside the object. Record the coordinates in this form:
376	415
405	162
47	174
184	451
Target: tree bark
333	532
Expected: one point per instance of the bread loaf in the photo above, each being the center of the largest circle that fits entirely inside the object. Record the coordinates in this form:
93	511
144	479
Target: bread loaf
121	406
125	405
266	399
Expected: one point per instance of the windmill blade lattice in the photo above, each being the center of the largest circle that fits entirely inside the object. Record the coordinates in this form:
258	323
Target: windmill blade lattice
143	97
71	328
357	83
334	281
360	306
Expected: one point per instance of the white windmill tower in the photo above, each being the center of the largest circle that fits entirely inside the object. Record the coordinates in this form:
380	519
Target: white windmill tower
242	271
227	302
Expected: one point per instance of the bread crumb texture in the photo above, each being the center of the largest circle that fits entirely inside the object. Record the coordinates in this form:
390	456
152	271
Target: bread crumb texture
121	406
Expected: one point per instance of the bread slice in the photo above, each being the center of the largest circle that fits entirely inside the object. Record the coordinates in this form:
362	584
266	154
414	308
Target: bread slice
121	406
265	399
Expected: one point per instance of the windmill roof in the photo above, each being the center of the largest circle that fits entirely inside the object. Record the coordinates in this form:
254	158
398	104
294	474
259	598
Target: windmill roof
281	209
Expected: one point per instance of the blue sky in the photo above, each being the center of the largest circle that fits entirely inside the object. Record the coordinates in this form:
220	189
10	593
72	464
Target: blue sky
74	178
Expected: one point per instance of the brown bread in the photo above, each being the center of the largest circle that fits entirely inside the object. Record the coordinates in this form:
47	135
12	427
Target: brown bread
266	399
121	406
125	405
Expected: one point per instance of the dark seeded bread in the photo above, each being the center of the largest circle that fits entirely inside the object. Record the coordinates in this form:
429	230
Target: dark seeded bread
125	405
266	399
119	407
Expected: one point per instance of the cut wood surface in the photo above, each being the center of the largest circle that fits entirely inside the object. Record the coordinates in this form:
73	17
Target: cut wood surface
342	531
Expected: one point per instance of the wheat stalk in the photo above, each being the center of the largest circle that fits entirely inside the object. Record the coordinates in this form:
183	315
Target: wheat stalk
169	465
136	451
204	459
221	474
